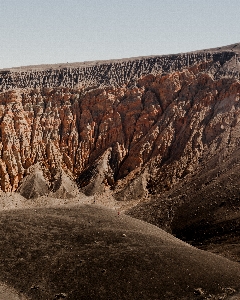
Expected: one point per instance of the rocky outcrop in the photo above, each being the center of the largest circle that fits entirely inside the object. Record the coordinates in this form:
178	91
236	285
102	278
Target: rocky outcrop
222	62
136	129
163	126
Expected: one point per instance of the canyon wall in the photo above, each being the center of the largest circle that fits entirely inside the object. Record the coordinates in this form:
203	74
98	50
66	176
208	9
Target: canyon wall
133	127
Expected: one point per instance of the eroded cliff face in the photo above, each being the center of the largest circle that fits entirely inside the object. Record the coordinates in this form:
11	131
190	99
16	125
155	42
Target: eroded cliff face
222	62
133	128
136	139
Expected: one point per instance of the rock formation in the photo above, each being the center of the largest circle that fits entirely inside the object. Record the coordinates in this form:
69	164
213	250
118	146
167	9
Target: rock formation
223	61
137	127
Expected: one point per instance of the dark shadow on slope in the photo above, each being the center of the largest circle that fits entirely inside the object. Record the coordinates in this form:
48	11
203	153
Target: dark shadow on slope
202	209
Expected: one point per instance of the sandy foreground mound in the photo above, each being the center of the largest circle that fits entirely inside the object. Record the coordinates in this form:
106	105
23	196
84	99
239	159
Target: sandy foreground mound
90	252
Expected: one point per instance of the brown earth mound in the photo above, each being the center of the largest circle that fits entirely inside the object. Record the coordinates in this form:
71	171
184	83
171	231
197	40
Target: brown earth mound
34	185
88	252
64	187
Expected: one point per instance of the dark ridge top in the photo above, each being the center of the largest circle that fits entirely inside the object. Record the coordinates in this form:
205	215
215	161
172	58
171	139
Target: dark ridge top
224	62
230	48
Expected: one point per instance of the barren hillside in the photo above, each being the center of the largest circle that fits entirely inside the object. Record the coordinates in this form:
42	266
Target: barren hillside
160	131
88	252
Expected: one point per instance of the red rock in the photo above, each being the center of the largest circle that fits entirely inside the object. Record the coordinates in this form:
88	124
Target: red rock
159	127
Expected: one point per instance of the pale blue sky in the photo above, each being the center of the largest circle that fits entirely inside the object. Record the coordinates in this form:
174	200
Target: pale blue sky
58	31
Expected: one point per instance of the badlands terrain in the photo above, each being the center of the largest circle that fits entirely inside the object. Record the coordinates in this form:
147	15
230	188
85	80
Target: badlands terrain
88	148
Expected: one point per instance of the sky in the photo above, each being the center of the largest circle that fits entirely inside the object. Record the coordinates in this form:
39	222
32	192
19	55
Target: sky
58	31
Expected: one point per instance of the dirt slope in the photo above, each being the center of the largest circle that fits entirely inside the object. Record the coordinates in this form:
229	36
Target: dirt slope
88	252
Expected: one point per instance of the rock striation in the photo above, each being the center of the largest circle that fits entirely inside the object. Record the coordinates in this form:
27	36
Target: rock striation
137	129
222	62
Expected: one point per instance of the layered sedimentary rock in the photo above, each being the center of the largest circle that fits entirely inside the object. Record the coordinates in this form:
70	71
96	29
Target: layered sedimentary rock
136	128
